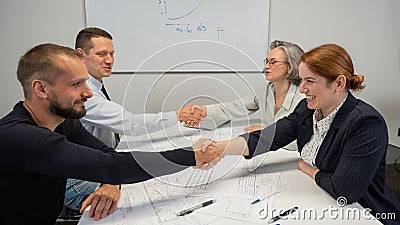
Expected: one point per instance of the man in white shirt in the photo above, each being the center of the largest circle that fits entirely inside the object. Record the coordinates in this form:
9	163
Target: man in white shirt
106	119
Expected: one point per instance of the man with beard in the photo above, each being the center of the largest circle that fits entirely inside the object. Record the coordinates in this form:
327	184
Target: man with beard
43	142
106	119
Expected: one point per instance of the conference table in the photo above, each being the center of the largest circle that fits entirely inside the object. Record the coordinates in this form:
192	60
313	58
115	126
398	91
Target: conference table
285	193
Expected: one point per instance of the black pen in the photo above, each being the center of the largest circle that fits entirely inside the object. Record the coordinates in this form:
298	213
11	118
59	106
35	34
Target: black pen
191	209
286	213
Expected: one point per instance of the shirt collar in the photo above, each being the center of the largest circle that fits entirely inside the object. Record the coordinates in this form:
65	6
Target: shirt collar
22	111
324	123
287	103
97	84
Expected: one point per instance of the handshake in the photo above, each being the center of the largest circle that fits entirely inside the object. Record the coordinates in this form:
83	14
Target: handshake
191	114
207	153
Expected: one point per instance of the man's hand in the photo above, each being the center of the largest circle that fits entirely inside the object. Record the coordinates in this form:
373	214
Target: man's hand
207	153
252	128
307	169
201	108
202	145
103	200
190	116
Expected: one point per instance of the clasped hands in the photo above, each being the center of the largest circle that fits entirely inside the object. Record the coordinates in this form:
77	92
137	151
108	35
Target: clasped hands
207	153
191	114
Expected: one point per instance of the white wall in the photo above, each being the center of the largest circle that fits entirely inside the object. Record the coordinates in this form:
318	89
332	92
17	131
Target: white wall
26	23
369	30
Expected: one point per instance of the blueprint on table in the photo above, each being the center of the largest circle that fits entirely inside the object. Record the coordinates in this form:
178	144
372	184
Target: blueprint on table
229	183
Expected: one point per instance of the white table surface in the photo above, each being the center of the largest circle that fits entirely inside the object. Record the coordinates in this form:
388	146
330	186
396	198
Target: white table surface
233	183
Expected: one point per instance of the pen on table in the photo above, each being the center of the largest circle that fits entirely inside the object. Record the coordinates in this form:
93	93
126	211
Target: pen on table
286	213
191	209
262	199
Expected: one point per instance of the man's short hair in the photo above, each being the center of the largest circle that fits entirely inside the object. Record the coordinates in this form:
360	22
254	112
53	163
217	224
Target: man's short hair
84	38
40	62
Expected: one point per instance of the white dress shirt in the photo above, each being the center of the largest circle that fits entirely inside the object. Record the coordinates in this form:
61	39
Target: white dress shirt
264	100
104	118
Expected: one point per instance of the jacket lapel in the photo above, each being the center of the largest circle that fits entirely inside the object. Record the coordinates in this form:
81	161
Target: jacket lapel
337	123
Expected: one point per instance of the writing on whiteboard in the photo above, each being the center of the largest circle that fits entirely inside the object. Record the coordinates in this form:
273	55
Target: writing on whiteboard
181	21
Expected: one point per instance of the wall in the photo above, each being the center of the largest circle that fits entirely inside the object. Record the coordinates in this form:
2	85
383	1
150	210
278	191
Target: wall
26	23
369	30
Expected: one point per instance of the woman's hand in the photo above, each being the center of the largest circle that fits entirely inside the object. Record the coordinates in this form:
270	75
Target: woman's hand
307	169
252	128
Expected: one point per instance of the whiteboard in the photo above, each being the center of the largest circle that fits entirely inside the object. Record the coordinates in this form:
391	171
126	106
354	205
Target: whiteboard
184	35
